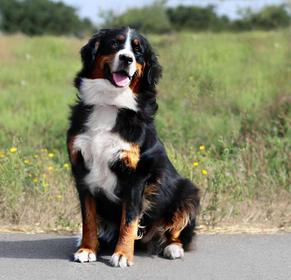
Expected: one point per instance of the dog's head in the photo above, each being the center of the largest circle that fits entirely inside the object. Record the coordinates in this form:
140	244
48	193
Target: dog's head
123	57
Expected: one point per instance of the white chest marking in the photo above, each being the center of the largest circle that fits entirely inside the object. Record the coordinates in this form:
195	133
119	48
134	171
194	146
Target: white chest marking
98	145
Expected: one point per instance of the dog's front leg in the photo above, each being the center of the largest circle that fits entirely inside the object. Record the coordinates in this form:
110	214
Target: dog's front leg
89	243
133	188
123	254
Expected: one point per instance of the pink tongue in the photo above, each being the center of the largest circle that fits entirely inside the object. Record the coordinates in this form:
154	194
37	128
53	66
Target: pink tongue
120	80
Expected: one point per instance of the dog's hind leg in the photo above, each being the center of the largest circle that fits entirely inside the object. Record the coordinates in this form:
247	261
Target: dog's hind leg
179	240
180	230
174	248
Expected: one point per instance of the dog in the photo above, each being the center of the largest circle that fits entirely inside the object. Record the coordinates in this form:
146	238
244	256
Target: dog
130	193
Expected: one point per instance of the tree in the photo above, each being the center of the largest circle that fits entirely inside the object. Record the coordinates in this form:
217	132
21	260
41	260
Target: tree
196	18
270	17
37	17
151	18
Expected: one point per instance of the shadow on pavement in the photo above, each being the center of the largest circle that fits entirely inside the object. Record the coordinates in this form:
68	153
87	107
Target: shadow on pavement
54	248
58	248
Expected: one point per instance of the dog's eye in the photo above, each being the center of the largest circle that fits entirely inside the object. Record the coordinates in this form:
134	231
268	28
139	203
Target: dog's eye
114	44
136	49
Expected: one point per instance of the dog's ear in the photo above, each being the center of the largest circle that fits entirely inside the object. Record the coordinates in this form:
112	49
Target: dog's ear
153	70
89	51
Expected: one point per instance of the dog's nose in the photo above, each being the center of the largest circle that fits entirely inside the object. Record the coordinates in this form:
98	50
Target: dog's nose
126	59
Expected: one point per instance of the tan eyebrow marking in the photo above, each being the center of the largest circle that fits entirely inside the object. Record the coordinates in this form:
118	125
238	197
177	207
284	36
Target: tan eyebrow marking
136	42
120	37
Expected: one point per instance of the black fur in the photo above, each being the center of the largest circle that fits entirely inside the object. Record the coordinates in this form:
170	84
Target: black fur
173	193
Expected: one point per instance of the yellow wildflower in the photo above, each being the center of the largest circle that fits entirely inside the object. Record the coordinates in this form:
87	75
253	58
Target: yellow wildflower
66	165
35	156
202	148
35	180
195	163
204	172
26	161
13	150
50	168
51	155
59	196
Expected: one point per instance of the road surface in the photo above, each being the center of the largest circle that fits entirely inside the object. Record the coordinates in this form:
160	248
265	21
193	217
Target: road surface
233	257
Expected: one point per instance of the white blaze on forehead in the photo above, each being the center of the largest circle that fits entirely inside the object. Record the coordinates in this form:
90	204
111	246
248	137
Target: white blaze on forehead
127	44
127	51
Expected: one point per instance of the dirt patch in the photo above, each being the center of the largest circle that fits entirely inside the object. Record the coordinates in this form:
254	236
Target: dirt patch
6	47
242	228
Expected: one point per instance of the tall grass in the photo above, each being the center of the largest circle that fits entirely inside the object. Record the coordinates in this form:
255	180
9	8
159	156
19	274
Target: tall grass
224	115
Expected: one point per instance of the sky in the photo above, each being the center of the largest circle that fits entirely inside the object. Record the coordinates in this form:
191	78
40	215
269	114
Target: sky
91	8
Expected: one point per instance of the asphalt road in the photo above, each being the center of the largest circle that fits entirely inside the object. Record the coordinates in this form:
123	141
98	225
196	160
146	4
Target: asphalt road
235	257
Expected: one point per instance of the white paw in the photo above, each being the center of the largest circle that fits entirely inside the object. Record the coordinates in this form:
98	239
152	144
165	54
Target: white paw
174	251
84	255
120	260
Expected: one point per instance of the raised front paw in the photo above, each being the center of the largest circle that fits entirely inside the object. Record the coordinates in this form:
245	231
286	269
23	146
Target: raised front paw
174	251
85	255
121	260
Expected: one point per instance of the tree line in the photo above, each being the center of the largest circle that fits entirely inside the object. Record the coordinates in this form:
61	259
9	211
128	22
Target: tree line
38	17
158	18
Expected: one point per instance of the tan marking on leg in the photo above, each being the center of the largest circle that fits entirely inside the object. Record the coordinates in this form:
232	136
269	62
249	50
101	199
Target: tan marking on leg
174	248
127	236
90	221
171	229
89	244
179	221
131	157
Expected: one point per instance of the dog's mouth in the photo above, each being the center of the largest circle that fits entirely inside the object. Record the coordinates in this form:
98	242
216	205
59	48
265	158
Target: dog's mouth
119	78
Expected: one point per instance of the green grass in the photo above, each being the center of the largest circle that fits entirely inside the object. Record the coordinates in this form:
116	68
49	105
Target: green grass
228	92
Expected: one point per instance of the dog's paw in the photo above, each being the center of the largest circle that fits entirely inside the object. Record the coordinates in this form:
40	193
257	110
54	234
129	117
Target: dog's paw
120	260
174	251
85	255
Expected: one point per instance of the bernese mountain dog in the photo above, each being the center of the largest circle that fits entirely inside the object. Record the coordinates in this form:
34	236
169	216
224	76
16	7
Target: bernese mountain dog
129	191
